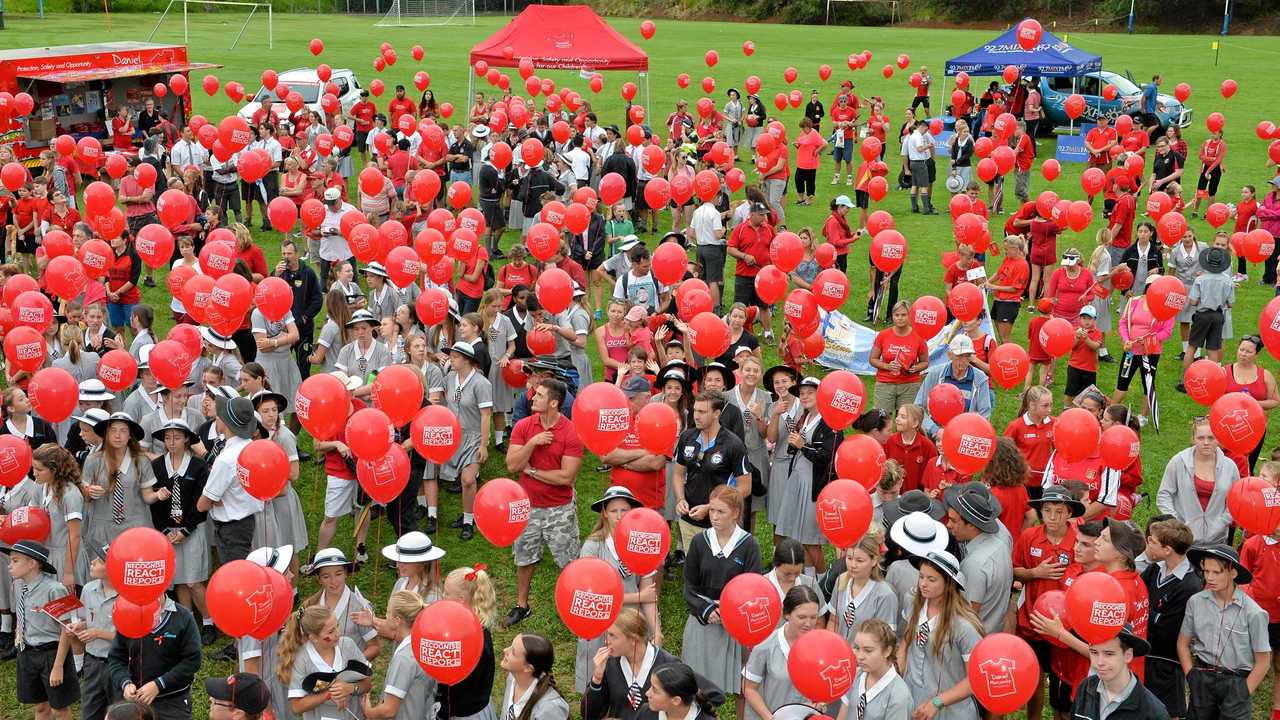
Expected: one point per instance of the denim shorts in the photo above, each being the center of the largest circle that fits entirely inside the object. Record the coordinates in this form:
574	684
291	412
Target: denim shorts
118	314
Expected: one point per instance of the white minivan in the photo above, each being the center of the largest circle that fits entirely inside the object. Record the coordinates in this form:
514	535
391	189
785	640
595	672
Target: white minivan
306	83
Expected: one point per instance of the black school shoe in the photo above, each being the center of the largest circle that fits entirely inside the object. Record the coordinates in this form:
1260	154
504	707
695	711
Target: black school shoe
430	526
516	615
208	635
468	531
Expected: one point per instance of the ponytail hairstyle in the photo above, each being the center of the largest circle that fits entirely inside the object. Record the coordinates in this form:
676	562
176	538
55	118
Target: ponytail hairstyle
633	624
539	654
478	587
256	371
884	636
678	681
869	545
1035	392
62	464
302	622
1120	414
891	475
404	605
788	551
71	340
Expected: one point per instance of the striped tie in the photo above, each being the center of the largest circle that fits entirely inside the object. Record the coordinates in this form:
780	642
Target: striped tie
850	614
117	502
922	634
175	499
22	617
862	706
511	712
634	695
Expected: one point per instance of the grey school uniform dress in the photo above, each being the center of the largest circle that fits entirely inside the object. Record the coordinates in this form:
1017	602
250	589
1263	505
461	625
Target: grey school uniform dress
407	295
352	601
96	692
757	446
406	681
383	302
1186	265
308	661
499	334
156	420
359	363
781	465
290	524
282	369
767	667
603	549
929	674
577	318
331	340
888	699
797	514
86	369
875	601
267	652
551	706
988	574
117	510
69	509
707	648
902	578
466	398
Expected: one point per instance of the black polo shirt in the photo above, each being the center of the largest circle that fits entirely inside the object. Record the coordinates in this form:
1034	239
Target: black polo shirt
722	461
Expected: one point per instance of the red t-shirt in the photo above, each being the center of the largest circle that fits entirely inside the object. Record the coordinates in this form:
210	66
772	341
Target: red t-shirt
754	242
1024	154
937	479
25	212
844	114
1035	442
650	488
253	259
1262	557
1082	356
1135	590
1100	137
955	273
807	147
907	350
334	464
1035	350
1122	217
430	155
1015	274
1014	502
64	223
1245	211
363	113
398	164
565	442
913	457
779	155
1028	211
1030	549
398	107
120	140
472	288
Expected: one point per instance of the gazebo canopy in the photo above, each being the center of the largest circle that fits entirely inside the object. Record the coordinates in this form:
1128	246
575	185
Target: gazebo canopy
561	37
1051	58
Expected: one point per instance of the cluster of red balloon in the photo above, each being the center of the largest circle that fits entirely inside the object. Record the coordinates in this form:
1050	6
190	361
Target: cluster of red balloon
140	564
27	522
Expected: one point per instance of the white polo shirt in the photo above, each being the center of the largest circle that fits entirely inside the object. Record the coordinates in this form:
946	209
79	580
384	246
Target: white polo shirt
224	485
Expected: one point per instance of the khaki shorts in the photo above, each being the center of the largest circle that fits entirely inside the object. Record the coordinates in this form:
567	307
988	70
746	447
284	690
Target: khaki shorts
556	528
688	532
891	396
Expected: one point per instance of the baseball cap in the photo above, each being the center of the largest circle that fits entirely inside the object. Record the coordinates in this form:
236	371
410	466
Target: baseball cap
245	691
1089	311
960	345
760	208
635	385
843	201
332	193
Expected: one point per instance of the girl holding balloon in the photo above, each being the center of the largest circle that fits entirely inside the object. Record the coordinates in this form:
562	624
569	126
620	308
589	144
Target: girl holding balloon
813	444
878	692
861	594
275	340
312	644
639	593
260	657
184	475
118	481
57	480
531	692
290	524
766	684
409	692
784	412
942	630
500	336
346	603
469	699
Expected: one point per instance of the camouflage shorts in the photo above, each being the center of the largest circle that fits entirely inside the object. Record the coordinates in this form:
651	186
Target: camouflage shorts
557	528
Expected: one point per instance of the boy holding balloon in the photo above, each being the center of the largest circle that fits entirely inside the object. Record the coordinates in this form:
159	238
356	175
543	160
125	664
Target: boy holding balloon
46	675
1112	691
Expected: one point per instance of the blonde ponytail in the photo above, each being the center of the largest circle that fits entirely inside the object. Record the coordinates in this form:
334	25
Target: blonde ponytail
302	622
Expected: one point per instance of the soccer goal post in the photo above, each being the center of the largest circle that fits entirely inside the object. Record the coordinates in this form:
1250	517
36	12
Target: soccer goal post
254	7
422	13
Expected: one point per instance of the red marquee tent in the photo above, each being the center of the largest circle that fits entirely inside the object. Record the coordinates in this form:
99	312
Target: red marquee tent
562	37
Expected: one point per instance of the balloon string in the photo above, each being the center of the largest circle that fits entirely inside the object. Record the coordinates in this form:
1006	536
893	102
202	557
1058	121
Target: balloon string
376	563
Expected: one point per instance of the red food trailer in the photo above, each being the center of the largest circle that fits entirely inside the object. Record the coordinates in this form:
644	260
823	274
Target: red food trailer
78	89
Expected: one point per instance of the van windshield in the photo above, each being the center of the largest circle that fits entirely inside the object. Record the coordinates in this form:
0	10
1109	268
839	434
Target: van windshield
310	92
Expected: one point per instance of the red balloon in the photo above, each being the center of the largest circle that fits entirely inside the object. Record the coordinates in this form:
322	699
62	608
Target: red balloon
888	250
369	433
53	393
657	192
322	405
171	363
25	348
1217	214
1215	121
263	469
750	608
554	289
140	564
588	595
602	416
1258	244
1118	447
436	433
1009	364
642	538
801	310
657	426
543	240
965	301
273	298
945	401
1205	381
786	251
928	315
1238	421
240	597
1254	505
195	296
117	370
771	284
133	620
670	262
844	512
540	342
831	288
1228	88
501	510
275	619
870	149
1053	603
15	460
1057	337
814	345
448	641
65	277
1092	181
1050	169
1003	670
1076	434
216	258
821	666
861	459
229	301
708	333
968	442
1166	296
398	392
25	523
825	255
384	478
1097	607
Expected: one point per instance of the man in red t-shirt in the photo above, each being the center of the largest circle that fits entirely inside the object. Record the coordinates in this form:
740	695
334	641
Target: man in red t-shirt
362	112
1024	149
749	245
844	117
399	105
1120	223
1099	142
642	472
546	451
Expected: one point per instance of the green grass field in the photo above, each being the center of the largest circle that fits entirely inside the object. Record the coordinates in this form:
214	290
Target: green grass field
679	47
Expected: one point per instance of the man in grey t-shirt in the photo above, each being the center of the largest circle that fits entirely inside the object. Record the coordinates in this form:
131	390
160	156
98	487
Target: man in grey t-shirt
974	518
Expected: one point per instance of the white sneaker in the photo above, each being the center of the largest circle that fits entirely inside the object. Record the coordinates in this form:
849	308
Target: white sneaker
1142	421
849	180
835	179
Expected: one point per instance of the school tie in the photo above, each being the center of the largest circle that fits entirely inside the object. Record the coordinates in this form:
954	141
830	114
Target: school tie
22	617
175	499
922	634
862	706
634	695
850	614
117	502
511	712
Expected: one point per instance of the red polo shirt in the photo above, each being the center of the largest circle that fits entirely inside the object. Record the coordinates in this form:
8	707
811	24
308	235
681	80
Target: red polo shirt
1035	442
1030	549
547	457
911	456
649	488
937	479
754	242
1262	557
398	107
1122	216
